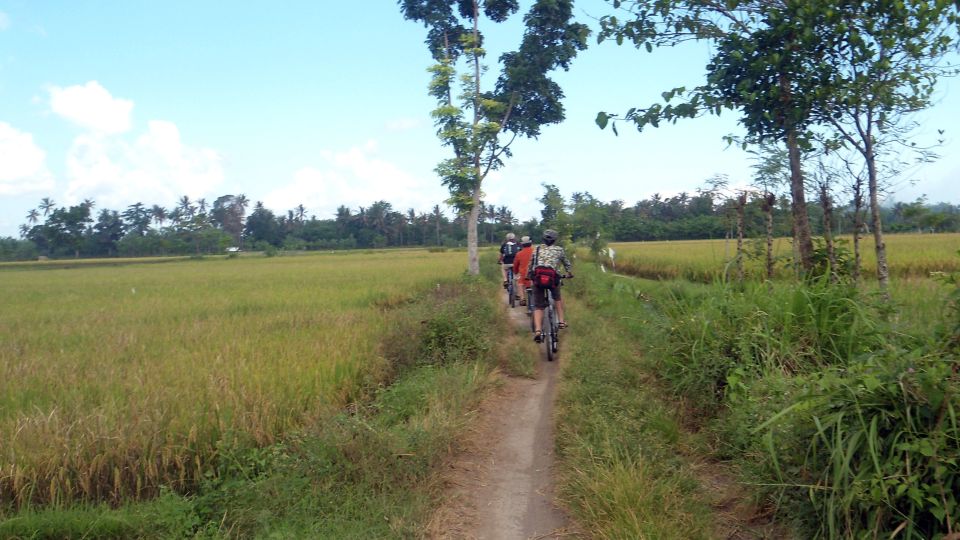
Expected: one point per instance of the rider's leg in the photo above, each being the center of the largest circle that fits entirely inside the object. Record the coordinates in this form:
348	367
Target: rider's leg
558	304
540	301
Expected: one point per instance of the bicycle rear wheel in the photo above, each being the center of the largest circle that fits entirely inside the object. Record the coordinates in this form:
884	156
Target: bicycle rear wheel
549	333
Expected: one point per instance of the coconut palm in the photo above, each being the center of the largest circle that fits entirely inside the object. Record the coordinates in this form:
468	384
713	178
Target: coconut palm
159	215
46	204
33	216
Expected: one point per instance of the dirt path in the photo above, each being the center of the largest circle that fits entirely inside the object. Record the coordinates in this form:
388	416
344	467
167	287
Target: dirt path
501	487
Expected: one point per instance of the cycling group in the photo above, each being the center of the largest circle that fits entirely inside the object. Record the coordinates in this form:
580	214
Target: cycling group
537	271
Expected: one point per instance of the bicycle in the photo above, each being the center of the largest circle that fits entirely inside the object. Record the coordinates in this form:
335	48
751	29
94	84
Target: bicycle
551	326
529	292
511	291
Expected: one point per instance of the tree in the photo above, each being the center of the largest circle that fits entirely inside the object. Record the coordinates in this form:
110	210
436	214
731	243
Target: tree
33	216
107	231
523	100
753	70
771	171
554	214
885	59
47	205
137	218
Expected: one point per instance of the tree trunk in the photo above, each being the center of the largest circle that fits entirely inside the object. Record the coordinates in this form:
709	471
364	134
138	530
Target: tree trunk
473	253
801	221
857	228
768	203
741	208
883	274
825	203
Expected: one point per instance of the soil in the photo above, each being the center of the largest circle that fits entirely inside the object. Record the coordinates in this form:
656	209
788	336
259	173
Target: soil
501	486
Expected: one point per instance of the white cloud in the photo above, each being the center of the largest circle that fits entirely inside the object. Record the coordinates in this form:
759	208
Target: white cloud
355	177
22	167
92	107
157	167
4	21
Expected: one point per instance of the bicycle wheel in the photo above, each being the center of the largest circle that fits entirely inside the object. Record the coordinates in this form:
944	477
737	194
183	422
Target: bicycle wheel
549	333
512	293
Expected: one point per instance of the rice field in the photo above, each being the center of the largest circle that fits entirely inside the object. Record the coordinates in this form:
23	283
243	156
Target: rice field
116	380
909	255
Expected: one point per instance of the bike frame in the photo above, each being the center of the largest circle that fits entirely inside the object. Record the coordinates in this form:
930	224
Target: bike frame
551	326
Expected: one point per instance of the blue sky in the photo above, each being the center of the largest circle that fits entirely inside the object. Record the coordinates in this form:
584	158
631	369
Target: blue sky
322	103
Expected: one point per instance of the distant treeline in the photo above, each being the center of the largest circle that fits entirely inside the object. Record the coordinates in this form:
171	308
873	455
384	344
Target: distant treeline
196	227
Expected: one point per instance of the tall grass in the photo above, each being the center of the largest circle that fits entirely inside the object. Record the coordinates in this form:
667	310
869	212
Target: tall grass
368	470
839	410
910	255
115	381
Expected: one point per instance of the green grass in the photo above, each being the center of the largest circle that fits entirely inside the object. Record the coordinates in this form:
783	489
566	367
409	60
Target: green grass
909	255
368	470
620	444
117	380
837	407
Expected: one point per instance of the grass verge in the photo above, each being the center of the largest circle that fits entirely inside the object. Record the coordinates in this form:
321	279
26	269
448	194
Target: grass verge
622	448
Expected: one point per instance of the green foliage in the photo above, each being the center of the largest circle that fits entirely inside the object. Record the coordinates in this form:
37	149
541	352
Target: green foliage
719	333
617	439
884	446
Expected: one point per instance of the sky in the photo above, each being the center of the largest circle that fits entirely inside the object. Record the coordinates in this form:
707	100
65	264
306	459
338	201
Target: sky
324	104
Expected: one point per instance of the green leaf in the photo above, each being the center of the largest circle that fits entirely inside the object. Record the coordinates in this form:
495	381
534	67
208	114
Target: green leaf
602	119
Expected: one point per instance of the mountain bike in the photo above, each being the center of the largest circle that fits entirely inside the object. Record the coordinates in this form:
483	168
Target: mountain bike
551	325
511	289
529	292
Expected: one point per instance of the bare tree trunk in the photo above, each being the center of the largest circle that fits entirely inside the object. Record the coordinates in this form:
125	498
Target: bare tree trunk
741	208
801	221
473	252
857	227
883	273
827	206
768	201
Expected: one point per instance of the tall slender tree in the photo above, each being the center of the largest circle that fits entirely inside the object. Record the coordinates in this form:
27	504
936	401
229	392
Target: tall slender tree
480	125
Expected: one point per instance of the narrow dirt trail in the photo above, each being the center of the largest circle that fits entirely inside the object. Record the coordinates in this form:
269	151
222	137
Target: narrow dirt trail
501	486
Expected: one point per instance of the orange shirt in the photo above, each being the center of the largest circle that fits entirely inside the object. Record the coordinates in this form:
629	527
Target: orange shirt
520	263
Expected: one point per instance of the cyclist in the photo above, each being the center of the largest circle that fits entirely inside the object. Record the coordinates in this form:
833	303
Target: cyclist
544	269
508	250
520	263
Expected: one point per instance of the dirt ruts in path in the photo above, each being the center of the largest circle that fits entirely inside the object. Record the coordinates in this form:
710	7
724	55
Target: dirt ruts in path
501	486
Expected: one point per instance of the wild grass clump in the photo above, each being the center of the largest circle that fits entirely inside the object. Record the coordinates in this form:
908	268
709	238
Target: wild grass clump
720	334
840	411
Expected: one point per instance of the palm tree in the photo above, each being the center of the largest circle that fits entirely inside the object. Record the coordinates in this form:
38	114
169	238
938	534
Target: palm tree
436	217
33	216
159	214
301	212
24	230
46	204
186	208
202	206
242	202
88	203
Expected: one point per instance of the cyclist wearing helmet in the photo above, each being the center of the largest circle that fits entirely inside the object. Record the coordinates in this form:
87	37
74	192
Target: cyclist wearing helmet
520	264
508	250
544	269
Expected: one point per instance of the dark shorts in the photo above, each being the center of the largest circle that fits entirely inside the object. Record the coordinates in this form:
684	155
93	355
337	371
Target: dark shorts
540	296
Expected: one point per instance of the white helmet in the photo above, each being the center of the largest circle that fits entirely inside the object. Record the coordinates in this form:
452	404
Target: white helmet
511	236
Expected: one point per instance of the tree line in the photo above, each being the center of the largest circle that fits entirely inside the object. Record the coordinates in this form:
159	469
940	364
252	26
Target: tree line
199	228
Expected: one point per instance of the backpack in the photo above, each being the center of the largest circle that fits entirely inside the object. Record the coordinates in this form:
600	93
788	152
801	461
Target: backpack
544	277
510	249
